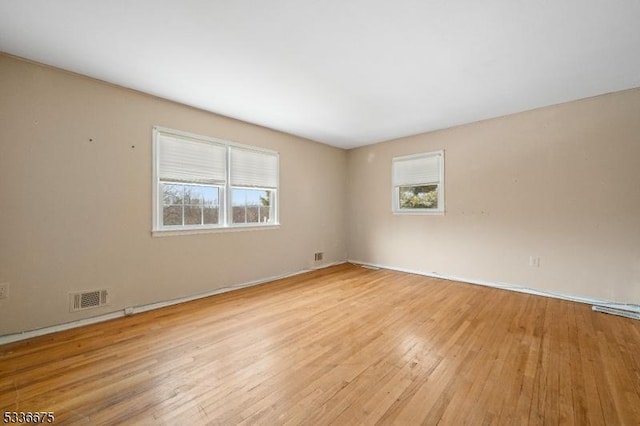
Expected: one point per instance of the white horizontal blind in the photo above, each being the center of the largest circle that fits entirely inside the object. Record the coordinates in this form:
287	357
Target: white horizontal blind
417	169
187	160
252	168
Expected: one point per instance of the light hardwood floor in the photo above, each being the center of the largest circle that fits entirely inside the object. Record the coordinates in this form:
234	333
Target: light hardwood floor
343	345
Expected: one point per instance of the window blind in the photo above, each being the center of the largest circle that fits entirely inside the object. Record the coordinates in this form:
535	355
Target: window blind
254	168
186	160
414	170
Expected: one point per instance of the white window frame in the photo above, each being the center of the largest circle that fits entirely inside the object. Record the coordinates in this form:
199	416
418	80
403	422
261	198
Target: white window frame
398	182
225	209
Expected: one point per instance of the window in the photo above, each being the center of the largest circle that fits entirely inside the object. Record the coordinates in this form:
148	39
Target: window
253	182
204	183
418	183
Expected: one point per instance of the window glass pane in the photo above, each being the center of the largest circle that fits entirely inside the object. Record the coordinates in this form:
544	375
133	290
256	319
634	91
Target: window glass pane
264	211
418	197
239	214
210	215
252	214
192	196
209	196
189	204
251	205
172	216
172	194
192	215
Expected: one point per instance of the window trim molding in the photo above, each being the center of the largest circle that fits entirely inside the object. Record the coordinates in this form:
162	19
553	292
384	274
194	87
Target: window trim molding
225	196
395	196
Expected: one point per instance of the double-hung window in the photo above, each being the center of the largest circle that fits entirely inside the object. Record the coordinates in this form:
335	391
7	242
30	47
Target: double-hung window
203	183
418	183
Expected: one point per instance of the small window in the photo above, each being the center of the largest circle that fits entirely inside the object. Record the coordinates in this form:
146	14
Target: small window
203	183
418	183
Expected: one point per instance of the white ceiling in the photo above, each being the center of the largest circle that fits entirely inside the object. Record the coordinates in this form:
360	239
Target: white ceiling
346	73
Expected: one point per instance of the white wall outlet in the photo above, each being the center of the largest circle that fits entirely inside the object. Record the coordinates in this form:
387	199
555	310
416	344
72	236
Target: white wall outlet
128	310
534	261
4	290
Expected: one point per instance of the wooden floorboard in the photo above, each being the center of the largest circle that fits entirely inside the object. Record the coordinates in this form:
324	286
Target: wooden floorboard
342	345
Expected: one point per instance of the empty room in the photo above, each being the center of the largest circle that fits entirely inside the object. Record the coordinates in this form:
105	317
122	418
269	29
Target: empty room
306	212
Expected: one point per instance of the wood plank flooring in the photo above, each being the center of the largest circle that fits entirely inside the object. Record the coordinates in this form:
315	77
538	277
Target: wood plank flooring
342	345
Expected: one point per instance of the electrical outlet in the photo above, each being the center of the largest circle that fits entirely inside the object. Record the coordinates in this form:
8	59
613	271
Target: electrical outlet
534	261
4	290
318	256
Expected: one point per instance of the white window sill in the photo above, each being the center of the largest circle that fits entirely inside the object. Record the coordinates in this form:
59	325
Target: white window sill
191	231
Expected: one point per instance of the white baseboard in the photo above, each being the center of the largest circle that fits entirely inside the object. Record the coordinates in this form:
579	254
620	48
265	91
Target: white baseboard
504	286
9	338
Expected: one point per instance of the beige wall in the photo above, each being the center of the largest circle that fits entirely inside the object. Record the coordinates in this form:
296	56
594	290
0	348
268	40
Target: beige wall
561	183
76	215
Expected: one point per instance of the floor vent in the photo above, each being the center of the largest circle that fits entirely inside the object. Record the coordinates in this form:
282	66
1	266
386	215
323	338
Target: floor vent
375	268
616	311
88	300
